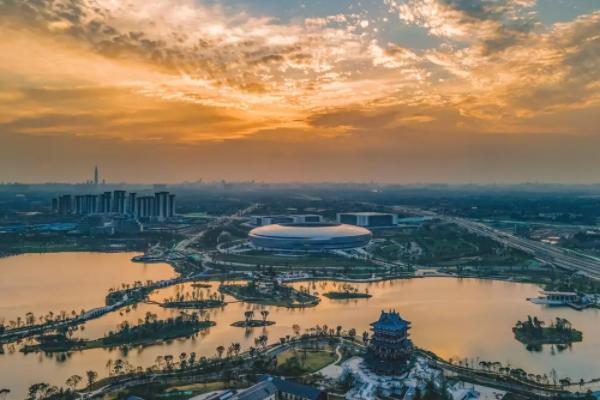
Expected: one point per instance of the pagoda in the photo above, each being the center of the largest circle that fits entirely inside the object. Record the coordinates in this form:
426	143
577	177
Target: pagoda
390	348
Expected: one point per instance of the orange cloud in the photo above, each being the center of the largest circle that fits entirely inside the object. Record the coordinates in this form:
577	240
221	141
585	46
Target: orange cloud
181	71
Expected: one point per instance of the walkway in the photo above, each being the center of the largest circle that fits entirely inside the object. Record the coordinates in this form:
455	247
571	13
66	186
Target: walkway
333	370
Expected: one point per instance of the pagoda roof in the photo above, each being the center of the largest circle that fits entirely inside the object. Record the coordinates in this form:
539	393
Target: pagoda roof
390	321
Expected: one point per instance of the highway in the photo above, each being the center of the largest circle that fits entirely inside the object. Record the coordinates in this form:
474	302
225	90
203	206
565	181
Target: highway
557	256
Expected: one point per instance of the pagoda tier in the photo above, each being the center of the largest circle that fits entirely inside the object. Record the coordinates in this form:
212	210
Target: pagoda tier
390	345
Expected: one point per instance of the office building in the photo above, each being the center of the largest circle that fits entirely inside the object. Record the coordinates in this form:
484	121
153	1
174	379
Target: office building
368	219
261	220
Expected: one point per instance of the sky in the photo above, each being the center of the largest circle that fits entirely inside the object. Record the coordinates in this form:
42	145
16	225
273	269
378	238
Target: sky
392	91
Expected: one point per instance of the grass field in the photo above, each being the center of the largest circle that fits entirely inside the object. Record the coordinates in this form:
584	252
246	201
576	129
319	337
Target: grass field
298	362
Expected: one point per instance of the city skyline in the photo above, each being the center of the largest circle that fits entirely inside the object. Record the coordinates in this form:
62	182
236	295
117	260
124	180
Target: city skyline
393	91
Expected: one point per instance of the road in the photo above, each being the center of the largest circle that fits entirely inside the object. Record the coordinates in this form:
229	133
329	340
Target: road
184	244
557	256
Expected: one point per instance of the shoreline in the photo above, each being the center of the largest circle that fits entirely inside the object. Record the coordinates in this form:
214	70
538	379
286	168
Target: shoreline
216	277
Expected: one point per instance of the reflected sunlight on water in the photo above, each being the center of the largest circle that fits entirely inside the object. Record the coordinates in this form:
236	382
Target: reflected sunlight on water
458	318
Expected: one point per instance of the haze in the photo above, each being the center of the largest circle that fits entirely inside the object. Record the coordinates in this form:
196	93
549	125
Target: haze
383	90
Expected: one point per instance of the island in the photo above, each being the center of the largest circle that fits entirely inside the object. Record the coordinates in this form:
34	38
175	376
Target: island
347	292
193	304
249	322
194	299
201	285
534	332
268	291
149	331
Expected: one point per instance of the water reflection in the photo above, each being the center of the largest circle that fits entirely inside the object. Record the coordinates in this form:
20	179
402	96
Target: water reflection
456	318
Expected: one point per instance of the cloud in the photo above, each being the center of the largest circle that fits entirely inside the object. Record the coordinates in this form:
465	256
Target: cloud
184	71
496	25
552	71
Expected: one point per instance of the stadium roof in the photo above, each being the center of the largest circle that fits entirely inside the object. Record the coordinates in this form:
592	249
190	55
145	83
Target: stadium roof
309	231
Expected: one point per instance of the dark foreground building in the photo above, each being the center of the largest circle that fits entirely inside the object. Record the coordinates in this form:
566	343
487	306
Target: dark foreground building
390	349
274	388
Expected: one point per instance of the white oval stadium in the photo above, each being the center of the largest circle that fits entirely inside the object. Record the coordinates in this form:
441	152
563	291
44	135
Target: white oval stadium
309	237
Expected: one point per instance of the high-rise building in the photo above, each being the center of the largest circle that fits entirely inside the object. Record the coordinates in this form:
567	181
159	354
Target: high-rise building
131	205
171	207
78	204
161	204
96	176
85	204
104	203
65	204
145	207
118	202
90	203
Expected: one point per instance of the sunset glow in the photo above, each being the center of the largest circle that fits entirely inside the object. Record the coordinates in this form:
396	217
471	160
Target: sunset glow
402	90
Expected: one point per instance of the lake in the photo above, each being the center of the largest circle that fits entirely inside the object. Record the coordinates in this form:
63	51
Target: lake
455	318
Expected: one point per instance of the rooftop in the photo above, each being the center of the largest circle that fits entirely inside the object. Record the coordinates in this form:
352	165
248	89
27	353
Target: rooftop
389	321
553	293
297	389
260	391
309	230
367	213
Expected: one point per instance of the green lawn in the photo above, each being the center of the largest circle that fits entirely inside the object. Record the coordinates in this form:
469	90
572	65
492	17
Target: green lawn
293	362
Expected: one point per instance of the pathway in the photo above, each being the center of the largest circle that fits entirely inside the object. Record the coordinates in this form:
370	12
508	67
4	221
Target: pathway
333	370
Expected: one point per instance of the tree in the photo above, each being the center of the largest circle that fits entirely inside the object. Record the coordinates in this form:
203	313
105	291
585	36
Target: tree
91	378
37	391
169	361
220	351
262	340
159	361
236	347
73	381
352	333
264	314
248	315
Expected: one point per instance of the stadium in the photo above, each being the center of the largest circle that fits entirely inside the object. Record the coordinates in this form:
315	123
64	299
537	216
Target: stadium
309	237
